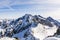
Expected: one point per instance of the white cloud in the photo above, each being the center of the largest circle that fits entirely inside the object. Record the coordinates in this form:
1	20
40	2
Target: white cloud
54	14
54	1
51	7
48	1
7	2
20	2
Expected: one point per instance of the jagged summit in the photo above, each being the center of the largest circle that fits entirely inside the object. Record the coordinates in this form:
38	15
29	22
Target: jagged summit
50	19
26	26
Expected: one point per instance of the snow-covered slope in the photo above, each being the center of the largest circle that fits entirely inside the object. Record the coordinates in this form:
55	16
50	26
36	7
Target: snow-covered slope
41	32
7	38
30	27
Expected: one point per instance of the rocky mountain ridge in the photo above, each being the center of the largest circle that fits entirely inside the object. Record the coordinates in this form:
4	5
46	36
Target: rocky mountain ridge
27	27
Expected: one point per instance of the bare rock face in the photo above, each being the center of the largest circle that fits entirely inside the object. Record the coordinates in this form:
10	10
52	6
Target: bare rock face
30	27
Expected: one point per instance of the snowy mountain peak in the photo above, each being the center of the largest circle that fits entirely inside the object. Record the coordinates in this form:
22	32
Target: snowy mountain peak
50	19
30	27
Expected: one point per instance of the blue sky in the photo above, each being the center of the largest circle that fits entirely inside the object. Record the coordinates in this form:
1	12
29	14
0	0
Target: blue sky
17	8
